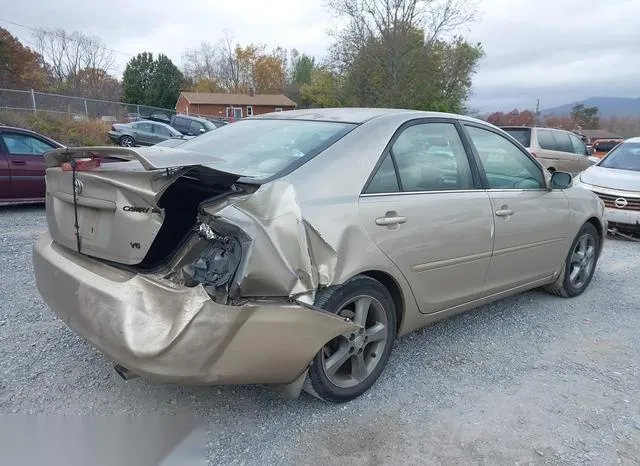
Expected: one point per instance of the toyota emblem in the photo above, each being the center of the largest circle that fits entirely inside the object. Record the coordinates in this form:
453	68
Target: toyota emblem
77	187
620	203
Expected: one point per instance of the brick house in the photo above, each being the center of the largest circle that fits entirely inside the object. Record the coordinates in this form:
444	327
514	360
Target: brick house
231	106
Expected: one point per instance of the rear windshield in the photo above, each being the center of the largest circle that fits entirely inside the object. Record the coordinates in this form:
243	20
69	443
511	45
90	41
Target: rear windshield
522	135
262	148
624	157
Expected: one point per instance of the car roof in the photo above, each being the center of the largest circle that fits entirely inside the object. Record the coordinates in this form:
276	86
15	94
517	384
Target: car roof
356	115
634	139
192	117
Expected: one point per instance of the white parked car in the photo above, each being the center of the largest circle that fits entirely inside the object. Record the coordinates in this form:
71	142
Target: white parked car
616	180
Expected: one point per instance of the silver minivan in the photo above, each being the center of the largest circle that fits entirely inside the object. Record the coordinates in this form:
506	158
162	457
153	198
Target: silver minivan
557	150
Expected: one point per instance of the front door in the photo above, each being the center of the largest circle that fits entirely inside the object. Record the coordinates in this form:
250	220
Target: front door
237	113
424	212
26	164
143	133
530	220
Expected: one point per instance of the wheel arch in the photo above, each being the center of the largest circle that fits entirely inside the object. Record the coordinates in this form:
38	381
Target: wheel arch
394	290
598	226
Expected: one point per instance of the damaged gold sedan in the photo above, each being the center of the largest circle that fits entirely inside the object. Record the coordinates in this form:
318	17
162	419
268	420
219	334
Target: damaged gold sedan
293	248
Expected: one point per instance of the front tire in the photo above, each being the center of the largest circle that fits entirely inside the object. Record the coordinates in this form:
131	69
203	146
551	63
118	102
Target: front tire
579	265
350	364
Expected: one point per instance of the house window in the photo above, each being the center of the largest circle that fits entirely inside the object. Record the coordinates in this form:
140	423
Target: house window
249	110
278	109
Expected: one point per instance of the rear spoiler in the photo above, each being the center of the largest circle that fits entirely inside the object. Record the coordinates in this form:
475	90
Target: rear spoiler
156	158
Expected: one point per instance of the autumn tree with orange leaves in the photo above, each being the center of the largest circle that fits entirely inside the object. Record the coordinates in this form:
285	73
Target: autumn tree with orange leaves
20	67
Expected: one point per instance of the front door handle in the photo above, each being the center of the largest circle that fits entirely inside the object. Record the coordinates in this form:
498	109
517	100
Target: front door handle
18	162
390	220
504	212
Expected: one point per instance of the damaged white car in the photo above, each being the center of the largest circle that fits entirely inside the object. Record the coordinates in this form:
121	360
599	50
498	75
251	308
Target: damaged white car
292	248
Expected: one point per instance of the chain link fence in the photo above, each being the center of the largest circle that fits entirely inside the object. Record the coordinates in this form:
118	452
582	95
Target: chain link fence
77	108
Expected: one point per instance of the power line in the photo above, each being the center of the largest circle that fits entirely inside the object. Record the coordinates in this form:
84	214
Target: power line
67	37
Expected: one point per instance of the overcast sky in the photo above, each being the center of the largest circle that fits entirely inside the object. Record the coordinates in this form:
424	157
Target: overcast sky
557	50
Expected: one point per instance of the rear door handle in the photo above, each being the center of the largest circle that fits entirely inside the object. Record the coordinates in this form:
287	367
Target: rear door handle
18	162
390	220
504	212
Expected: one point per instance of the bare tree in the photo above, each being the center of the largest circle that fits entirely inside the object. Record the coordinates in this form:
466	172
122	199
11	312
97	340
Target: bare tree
72	56
391	20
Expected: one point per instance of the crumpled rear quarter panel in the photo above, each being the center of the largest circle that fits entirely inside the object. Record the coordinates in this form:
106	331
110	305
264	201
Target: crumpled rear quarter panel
171	334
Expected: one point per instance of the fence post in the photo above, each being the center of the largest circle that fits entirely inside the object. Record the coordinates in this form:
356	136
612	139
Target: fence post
33	101
86	110
138	109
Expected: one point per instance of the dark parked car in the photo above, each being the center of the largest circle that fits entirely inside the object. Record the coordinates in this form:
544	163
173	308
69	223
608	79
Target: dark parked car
141	133
192	126
22	165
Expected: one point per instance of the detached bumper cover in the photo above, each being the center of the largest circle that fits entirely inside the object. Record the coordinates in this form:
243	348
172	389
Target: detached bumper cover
175	334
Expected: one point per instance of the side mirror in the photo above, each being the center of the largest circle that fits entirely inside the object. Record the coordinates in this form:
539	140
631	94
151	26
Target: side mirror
202	130
589	150
561	180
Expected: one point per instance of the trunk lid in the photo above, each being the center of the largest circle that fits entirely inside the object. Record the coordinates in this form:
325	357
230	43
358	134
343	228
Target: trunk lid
135	211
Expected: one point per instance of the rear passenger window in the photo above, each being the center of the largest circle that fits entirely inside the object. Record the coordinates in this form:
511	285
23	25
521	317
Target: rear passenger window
385	179
431	157
545	139
428	157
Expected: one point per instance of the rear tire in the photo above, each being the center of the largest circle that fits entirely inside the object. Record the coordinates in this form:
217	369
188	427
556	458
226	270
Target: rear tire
579	265
127	141
350	364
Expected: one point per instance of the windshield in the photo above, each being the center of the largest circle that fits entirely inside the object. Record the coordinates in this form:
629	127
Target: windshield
624	157
262	148
522	135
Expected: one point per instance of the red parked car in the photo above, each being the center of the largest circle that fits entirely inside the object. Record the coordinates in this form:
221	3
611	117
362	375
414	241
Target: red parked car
22	165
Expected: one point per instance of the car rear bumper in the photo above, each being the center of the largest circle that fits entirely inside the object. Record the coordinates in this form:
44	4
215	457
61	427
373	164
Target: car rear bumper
169	333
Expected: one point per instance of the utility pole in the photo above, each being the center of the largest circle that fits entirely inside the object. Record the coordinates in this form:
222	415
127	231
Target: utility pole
537	112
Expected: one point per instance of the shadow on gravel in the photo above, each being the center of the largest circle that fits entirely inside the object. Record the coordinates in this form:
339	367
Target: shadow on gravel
21	208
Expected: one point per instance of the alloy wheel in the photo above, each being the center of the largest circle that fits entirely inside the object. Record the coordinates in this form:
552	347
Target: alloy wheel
350	358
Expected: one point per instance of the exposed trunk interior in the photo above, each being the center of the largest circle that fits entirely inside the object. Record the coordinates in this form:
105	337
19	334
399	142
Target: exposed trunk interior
180	203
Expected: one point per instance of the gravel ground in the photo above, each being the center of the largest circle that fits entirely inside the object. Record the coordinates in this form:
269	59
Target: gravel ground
532	379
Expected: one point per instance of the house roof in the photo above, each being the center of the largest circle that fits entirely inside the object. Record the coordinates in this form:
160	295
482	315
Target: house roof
599	134
211	98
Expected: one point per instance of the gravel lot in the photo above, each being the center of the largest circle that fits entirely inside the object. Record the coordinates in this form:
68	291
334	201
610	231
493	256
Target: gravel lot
532	379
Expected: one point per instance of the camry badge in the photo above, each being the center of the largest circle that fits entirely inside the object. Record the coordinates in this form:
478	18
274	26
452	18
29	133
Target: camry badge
620	203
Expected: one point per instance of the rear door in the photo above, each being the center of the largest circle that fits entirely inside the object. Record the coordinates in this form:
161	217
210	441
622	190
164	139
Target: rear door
556	151
26	164
531	222
424	210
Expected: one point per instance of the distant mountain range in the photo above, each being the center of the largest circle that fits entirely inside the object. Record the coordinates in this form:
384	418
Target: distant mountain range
608	106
